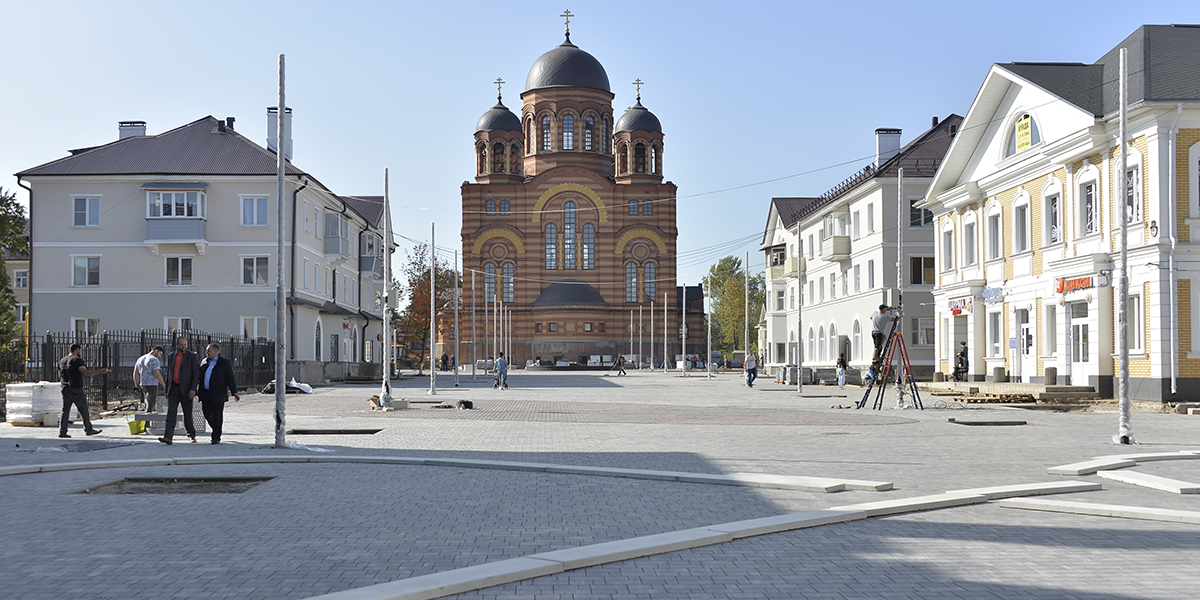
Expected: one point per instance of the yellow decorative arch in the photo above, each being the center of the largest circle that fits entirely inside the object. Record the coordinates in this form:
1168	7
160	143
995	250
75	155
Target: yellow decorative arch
633	234
601	207
497	233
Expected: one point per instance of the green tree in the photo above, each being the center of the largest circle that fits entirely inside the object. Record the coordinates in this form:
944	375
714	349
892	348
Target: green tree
12	241
726	282
414	323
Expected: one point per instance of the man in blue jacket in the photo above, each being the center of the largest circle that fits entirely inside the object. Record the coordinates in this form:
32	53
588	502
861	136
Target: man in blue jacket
216	385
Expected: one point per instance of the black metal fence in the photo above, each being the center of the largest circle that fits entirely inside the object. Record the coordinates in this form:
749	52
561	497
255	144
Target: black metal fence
36	358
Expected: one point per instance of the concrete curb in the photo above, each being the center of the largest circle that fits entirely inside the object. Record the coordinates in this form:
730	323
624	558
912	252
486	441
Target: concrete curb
1104	510
1155	482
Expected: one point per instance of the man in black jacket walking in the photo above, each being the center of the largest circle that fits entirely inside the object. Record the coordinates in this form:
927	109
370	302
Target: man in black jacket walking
216	385
183	375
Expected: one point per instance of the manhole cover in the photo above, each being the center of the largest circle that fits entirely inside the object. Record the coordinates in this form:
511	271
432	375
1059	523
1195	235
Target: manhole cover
334	431
178	485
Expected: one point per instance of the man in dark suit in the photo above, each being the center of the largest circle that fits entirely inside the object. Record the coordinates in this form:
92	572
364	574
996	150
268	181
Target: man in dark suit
183	370
216	385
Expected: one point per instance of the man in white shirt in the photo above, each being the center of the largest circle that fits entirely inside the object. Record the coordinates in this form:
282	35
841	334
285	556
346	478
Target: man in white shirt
147	377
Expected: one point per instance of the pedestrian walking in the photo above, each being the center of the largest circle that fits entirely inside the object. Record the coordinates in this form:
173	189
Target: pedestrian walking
147	377
620	365
216	385
841	371
71	371
502	372
184	367
751	369
445	362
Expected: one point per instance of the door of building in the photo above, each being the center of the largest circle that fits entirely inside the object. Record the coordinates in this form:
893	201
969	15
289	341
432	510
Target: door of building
1080	355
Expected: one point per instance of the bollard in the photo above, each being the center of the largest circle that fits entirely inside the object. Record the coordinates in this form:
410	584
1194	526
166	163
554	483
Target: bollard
998	375
939	377
1051	376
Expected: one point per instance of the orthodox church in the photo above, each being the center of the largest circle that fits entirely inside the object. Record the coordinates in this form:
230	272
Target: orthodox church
570	225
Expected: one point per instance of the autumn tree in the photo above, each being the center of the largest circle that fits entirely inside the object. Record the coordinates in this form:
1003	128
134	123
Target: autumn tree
414	323
726	283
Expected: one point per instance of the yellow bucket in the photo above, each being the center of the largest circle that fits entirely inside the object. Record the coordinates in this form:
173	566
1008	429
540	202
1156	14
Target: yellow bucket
136	427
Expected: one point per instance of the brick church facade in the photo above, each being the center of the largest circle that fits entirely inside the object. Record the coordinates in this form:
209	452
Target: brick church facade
569	223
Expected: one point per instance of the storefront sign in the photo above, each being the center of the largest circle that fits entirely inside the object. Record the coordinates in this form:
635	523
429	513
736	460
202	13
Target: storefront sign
992	295
1065	285
959	306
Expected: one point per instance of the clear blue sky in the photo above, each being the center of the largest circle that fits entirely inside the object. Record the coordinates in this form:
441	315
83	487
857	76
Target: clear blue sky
757	99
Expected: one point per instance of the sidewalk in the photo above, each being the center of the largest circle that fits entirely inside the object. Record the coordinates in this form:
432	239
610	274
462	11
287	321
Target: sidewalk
324	527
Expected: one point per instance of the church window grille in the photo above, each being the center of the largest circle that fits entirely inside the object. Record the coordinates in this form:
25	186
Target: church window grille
624	159
551	246
508	282
569	235
589	131
514	159
631	282
489	282
482	159
504	207
651	280
498	158
633	207
604	141
546	134
589	246
647	207
639	158
568	132
656	159
491	206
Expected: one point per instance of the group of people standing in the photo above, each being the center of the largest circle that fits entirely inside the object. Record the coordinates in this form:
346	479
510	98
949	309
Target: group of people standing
212	380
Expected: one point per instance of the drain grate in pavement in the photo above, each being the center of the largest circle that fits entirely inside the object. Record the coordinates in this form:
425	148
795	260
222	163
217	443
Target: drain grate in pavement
987	423
179	485
89	445
334	431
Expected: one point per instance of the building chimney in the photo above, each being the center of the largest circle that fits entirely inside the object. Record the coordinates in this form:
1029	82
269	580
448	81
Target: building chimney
935	122
273	131
128	129
229	122
887	144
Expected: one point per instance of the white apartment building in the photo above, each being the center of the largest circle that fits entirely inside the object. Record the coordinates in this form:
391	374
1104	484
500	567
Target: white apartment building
832	260
1027	207
178	231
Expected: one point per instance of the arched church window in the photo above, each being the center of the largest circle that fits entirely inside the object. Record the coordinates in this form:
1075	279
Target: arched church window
491	206
633	207
482	159
568	132
589	131
529	133
604	141
639	158
489	282
655	159
569	235
498	158
546	134
589	246
647	207
651	280
624	158
514	159
631	282
504	206
508	282
551	246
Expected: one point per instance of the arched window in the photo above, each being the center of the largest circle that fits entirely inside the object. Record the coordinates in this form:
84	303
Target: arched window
589	127
568	132
514	159
498	158
812	345
639	158
624	158
821	344
546	139
589	246
504	206
833	342
655	159
633	207
508	282
529	133
650	281
482	159
1024	134
604	141
569	235
551	246
489	282
317	345
856	342
647	207
491	206
631	282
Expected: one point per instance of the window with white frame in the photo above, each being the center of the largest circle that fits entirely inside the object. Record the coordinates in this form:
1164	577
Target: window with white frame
948	248
305	273
1133	194
969	255
176	205
812	344
922	270
870	274
846	282
856	341
20	279
857	279
22	311
812	292
87	212
306	216
85	327
1134	323
870	219
1050	330
254	328
995	243
1052	208
1023	135
854	221
254	211
919	217
178	323
254	270
1088	201
179	270
810	246
922	331
1021	241
791	298
85	270
778	300
832	286
995	335
821	289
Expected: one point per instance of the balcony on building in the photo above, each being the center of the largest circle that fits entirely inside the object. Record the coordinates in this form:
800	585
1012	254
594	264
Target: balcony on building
836	248
176	213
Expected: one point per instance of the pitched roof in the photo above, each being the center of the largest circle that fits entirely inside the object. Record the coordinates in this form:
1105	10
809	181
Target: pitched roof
789	209
198	148
370	207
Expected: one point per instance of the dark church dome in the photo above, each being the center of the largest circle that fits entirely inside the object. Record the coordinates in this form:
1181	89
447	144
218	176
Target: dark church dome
498	117
567	66
638	118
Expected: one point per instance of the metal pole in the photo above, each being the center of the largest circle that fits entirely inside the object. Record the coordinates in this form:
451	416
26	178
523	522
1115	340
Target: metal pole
639	354
900	203
457	359
746	332
1124	428
631	331
652	334
280	333
708	348
474	311
432	311
666	328
683	326
799	316
385	392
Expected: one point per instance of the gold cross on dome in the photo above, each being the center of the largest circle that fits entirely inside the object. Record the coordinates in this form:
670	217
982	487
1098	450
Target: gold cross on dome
567	15
639	83
499	83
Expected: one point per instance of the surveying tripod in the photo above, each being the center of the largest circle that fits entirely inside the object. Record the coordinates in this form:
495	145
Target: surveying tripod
882	372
